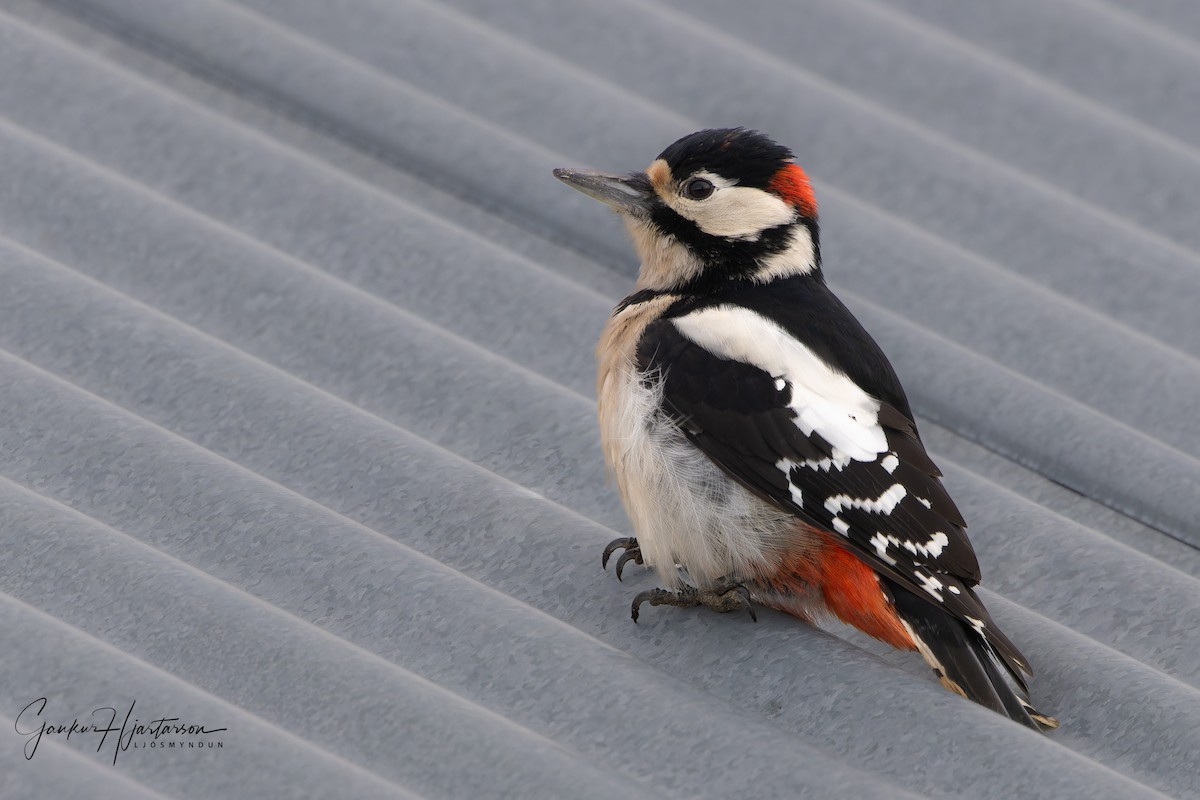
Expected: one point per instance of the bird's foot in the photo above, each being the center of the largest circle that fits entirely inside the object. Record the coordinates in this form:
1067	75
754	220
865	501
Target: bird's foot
632	553
724	596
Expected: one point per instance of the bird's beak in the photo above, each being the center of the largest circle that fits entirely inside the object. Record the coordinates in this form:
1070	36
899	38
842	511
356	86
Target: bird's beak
627	194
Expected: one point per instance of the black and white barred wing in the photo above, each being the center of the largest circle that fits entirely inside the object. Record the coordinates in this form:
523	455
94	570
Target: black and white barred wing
805	437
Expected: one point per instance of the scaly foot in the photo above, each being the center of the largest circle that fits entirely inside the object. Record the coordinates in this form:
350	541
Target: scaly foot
724	596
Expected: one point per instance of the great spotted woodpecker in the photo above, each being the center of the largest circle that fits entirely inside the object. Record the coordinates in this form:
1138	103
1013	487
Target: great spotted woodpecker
759	437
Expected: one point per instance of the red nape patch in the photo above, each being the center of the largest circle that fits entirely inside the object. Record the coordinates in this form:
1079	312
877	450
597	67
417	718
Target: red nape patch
792	185
849	587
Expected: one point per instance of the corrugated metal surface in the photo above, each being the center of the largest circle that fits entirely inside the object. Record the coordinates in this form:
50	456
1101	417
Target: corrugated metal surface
296	413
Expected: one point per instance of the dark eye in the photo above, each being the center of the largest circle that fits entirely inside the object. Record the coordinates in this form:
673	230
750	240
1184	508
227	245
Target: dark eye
698	189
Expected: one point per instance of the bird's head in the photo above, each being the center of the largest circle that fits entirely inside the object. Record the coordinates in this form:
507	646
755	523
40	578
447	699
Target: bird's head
714	206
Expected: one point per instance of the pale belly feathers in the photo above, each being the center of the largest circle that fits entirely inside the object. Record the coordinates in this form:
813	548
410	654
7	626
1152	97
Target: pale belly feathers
684	509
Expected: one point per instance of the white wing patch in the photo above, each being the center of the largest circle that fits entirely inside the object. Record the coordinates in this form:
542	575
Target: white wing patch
930	549
825	401
785	465
931	585
880	543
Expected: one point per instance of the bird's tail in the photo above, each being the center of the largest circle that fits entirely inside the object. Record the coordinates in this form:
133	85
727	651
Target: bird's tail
965	662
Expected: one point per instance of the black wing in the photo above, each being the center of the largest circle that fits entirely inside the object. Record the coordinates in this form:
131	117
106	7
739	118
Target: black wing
893	511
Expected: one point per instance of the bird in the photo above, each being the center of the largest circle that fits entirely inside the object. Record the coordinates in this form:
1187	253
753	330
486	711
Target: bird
759	438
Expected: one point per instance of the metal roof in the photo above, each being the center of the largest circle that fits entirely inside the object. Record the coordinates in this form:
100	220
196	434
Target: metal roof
296	407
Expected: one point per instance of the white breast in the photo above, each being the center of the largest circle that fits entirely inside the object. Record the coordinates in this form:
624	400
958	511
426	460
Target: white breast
684	509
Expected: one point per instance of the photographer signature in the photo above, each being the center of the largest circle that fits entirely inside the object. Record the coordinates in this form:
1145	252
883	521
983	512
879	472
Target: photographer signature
31	724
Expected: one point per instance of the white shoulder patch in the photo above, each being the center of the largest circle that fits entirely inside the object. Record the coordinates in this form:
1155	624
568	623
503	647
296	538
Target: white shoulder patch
826	401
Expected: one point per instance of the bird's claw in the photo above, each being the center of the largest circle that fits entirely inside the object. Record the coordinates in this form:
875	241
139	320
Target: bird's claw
632	553
722	597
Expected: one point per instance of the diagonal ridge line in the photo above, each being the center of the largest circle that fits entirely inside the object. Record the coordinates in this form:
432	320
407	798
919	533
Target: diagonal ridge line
967	49
1150	28
94	767
272	609
220	701
550	384
470	466
317	122
906	225
1116	654
933	239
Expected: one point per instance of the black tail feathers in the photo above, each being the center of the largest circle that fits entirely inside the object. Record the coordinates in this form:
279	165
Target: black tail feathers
966	663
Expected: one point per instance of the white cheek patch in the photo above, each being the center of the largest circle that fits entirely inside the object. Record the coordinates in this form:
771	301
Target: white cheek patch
731	211
825	401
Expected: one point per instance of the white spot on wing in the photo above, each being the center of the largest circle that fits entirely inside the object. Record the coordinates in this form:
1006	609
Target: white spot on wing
780	384
890	462
880	543
884	504
932	548
932	586
837	460
785	465
841	527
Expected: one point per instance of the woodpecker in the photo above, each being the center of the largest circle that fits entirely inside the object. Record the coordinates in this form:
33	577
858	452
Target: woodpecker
760	440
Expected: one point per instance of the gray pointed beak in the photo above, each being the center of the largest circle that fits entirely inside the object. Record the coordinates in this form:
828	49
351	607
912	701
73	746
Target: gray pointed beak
628	194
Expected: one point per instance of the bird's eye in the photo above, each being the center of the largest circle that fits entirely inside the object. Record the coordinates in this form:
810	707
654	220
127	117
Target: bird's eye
698	189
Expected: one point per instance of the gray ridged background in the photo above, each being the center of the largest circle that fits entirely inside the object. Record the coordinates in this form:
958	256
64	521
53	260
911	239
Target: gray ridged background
297	429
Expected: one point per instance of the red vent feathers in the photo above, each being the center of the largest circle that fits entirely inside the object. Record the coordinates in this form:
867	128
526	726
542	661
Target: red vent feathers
792	185
850	589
